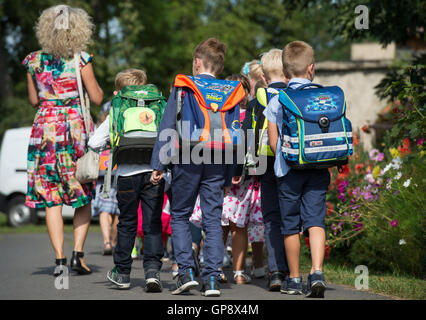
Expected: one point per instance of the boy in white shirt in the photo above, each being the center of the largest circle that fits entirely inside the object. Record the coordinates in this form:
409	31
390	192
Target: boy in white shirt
134	187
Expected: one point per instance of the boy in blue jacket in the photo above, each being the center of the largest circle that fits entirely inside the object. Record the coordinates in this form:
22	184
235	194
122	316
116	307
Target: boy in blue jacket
301	193
189	178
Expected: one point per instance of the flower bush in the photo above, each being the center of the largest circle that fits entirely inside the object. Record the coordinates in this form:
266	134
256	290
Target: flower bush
375	205
375	209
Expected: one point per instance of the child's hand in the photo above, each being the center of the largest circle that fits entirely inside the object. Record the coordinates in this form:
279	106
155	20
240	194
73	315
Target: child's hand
236	180
156	176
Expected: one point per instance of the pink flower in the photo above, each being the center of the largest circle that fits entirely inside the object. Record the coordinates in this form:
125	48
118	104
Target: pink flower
420	141
394	223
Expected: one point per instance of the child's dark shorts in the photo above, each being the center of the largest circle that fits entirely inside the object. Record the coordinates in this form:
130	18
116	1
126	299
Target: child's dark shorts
302	199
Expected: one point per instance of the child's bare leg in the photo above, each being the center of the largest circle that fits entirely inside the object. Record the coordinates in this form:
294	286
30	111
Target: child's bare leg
317	245
225	232
292	248
239	246
257	248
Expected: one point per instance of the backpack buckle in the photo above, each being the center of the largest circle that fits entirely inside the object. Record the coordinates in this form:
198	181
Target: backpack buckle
324	123
141	103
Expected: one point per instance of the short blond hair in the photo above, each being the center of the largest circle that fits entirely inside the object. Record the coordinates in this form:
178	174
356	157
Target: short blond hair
297	57
64	41
130	77
272	63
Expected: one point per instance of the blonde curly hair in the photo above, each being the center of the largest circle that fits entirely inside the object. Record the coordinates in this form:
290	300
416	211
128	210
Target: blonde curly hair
62	30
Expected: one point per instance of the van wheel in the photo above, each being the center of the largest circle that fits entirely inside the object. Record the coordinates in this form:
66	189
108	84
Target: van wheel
18	214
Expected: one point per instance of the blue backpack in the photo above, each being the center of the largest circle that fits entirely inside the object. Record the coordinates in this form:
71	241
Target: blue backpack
315	131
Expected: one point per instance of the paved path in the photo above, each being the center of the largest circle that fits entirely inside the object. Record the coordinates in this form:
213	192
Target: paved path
27	263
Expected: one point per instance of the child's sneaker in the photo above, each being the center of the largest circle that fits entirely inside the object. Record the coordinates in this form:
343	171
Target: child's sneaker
275	281
185	282
152	282
316	285
210	288
121	280
292	286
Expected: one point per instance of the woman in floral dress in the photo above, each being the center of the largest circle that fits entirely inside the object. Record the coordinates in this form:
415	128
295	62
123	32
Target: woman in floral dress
58	136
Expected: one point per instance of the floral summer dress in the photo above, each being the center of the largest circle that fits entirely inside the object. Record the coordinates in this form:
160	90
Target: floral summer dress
58	135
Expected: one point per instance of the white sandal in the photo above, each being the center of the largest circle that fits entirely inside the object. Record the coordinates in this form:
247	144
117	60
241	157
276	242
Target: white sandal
245	276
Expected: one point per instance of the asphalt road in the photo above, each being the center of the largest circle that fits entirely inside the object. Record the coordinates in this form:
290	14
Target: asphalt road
27	263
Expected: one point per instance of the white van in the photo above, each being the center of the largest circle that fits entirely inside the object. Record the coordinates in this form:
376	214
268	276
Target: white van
13	179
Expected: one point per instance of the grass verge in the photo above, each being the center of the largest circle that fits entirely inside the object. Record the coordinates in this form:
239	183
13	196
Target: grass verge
395	285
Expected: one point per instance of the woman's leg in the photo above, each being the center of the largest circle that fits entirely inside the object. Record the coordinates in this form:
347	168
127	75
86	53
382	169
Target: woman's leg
105	221
82	218
55	227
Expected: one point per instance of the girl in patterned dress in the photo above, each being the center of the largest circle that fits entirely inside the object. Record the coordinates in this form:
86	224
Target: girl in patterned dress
58	136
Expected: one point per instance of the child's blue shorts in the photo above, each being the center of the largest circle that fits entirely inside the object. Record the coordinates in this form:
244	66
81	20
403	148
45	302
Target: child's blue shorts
302	197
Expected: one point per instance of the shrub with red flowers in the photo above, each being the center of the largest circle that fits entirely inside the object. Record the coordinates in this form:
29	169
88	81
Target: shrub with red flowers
375	212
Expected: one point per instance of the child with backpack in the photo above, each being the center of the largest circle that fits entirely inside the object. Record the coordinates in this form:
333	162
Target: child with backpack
308	133
271	63
199	106
131	128
241	213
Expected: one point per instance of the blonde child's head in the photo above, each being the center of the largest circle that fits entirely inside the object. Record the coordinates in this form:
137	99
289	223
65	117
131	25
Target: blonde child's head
130	77
63	31
212	54
246	86
253	70
272	64
298	60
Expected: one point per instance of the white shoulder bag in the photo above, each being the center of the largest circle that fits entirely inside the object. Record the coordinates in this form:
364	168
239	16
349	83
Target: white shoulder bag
88	165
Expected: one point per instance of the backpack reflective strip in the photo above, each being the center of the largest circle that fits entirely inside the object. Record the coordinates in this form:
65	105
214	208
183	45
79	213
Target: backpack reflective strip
328	148
289	150
341	134
287	138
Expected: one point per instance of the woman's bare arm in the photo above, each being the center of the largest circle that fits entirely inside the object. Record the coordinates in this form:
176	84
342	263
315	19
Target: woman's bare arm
32	91
91	84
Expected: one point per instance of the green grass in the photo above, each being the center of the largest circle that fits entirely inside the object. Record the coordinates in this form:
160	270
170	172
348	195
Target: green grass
394	285
40	227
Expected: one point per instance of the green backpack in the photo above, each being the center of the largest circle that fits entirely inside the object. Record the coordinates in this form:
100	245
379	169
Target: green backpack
135	116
